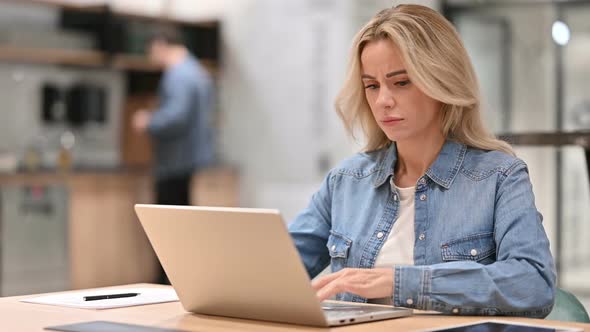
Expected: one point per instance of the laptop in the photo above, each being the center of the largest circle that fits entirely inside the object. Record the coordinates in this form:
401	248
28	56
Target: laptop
242	263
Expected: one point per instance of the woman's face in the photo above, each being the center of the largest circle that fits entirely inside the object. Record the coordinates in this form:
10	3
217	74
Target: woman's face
402	110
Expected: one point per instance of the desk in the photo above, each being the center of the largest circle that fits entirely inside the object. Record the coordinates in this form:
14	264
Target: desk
18	316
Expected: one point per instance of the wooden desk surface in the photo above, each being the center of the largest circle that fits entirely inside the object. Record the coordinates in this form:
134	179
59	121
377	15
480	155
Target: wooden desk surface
19	316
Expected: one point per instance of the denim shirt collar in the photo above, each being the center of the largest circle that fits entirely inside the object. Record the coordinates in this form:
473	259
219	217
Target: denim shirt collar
442	171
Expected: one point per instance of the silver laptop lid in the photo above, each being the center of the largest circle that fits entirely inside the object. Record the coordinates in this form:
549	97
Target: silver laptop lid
232	262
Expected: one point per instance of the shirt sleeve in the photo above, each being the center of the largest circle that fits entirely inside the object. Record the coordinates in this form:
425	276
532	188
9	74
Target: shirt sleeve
173	117
311	228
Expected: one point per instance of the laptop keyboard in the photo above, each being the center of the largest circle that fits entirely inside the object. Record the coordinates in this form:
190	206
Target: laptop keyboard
337	310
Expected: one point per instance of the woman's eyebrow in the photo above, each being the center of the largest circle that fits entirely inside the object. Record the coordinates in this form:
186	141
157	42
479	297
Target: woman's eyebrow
388	75
397	72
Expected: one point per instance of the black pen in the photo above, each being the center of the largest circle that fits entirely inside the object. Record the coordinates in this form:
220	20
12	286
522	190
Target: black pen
110	296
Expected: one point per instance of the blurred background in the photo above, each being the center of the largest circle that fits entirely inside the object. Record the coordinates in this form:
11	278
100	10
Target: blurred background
72	74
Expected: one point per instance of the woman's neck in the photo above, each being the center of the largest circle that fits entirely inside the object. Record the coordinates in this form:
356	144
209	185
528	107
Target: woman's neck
414	157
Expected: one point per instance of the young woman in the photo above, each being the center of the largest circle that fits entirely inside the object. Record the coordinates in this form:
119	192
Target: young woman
436	214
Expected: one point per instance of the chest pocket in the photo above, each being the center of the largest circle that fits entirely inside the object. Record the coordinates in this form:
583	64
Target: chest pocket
338	247
478	247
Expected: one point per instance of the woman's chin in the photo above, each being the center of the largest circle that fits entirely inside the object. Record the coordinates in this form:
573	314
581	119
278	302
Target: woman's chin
396	137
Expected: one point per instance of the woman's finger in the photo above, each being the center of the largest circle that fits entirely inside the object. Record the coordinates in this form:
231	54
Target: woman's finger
368	283
320	282
332	288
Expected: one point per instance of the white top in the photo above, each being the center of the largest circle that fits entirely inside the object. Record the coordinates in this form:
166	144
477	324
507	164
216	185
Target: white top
398	249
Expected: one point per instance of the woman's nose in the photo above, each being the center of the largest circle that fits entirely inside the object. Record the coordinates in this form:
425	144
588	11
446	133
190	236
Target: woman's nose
385	99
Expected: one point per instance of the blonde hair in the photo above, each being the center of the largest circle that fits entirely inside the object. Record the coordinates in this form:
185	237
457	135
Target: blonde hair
436	61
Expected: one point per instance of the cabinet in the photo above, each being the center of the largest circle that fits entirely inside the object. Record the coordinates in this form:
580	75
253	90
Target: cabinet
33	239
107	243
99	233
215	187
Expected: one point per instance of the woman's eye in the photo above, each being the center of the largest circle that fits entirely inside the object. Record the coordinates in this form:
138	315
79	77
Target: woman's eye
371	86
403	83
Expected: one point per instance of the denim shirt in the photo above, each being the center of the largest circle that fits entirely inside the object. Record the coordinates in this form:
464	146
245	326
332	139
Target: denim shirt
480	246
181	126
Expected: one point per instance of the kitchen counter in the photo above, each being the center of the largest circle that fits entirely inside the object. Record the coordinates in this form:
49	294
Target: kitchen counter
22	175
107	245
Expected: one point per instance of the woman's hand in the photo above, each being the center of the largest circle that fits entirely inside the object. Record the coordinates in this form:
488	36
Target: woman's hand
368	283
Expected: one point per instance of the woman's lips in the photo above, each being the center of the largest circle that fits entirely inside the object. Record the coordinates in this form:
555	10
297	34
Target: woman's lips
391	121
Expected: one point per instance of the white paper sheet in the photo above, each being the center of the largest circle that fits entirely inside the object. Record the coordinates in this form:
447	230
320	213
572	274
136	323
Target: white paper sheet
76	299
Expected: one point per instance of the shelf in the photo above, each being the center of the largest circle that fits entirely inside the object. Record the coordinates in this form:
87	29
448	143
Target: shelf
135	63
164	19
88	58
67	5
142	63
104	7
205	32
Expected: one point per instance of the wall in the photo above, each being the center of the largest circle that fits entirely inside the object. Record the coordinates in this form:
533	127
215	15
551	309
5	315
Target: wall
282	70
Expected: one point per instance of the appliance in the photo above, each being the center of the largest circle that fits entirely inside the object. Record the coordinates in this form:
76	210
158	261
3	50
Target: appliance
86	102
53	103
46	101
33	239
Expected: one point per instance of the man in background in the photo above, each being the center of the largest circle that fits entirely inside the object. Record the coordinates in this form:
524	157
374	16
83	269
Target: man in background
180	126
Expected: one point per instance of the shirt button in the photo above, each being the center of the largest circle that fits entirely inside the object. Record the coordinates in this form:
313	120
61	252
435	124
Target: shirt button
422	237
422	181
410	301
473	252
422	197
379	235
333	248
455	310
395	197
